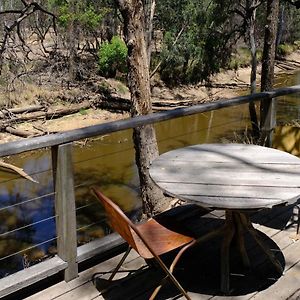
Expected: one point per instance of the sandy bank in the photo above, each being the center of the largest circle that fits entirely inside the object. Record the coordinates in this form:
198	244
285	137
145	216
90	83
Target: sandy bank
226	84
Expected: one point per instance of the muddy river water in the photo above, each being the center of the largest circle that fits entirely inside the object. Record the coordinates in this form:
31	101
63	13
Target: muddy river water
27	226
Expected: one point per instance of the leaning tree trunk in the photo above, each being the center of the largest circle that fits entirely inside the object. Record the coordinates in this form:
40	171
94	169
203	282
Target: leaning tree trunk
280	25
267	107
252	46
72	41
139	84
149	7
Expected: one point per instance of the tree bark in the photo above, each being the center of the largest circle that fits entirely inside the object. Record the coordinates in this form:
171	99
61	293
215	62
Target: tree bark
281	25
150	9
252	45
72	36
139	84
268	58
267	107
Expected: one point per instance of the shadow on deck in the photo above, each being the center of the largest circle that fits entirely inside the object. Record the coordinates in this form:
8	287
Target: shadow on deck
199	268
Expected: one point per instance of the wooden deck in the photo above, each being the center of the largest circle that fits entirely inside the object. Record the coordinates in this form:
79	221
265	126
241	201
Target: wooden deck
199	269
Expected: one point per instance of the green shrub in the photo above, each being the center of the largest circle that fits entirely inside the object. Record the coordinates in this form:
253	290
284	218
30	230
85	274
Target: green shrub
285	49
112	57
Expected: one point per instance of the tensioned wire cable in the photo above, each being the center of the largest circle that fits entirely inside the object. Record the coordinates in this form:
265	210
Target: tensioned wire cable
26	226
28	248
40	197
127	149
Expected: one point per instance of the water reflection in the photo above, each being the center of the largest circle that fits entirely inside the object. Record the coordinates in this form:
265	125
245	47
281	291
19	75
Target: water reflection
288	106
27	219
27	209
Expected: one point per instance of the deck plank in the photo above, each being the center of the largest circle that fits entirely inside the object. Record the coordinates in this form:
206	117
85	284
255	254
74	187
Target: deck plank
58	290
202	278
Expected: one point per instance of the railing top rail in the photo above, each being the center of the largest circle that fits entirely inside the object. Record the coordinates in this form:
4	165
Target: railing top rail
105	128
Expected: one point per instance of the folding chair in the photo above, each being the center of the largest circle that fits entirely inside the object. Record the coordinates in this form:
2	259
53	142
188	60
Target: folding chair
149	239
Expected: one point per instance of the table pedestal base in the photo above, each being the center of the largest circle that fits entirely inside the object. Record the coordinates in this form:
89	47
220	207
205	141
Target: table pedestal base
236	225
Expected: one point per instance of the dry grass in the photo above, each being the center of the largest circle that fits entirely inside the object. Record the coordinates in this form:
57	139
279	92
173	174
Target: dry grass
244	137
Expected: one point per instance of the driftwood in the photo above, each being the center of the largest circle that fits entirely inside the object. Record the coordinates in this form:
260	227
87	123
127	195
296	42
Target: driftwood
286	66
43	115
19	110
233	85
114	103
289	61
161	108
123	104
28	133
11	168
19	132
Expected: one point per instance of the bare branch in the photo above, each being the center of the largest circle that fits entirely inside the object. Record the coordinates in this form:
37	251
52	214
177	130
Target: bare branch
174	43
256	4
28	10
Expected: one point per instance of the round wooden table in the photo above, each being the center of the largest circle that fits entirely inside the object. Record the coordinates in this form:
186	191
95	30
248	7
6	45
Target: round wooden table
235	177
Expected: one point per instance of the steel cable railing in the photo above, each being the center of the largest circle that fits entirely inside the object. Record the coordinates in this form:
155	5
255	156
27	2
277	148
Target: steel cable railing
59	145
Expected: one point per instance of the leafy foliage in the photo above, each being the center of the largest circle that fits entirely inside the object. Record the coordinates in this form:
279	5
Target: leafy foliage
195	38
112	57
85	14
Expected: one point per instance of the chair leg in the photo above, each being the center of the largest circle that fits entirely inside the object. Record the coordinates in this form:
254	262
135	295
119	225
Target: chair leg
119	264
171	276
298	218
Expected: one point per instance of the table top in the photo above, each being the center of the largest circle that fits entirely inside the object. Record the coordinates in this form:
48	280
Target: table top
229	176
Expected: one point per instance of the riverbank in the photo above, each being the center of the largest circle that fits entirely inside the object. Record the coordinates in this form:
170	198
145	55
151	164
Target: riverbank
226	84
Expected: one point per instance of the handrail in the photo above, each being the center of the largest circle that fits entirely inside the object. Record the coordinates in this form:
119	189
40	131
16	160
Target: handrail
109	127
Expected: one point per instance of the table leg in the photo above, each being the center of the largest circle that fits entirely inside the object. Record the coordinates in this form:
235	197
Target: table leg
241	239
264	247
229	232
237	224
214	233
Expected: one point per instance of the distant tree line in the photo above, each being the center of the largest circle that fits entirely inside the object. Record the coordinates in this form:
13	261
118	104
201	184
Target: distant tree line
188	39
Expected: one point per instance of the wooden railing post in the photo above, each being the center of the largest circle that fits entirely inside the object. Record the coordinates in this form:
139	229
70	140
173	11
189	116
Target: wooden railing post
267	121
65	208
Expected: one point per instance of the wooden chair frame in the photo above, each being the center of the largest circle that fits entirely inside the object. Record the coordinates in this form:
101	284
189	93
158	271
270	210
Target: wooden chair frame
136	240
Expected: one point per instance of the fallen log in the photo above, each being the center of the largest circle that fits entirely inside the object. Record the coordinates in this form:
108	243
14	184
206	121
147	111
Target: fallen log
19	132
291	61
233	85
114	104
286	66
44	115
19	110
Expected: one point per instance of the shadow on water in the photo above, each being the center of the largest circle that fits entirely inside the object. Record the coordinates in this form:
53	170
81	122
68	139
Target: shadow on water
27	209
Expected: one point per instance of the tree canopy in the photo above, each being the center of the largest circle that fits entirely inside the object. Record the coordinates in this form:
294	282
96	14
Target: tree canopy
191	39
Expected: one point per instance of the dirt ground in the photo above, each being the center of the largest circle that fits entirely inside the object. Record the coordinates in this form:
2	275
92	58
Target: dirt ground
226	84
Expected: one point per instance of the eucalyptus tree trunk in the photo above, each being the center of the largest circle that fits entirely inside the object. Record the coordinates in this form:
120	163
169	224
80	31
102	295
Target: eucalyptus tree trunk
139	84
251	8
149	7
280	25
72	40
267	107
